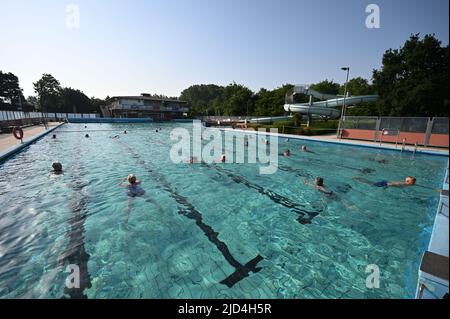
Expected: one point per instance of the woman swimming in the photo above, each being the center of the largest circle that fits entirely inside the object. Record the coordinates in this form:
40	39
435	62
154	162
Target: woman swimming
319	185
409	181
134	188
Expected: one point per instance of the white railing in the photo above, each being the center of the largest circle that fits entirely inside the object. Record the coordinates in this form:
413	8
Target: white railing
20	115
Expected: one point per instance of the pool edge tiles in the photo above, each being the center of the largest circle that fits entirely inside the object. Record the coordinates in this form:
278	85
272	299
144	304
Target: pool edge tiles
430	286
4	155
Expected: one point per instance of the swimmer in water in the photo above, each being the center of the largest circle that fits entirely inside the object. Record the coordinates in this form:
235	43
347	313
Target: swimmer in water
114	137
134	190
86	136
54	136
222	158
409	181
125	132
287	140
57	168
305	149
319	185
287	153
133	186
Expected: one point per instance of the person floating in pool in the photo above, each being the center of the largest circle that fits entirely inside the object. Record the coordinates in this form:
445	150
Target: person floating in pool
86	136
115	137
409	181
305	149
135	190
287	153
222	158
54	136
133	186
319	185
57	168
125	132
287	140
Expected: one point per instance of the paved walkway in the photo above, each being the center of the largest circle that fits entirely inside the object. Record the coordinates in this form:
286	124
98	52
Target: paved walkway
8	140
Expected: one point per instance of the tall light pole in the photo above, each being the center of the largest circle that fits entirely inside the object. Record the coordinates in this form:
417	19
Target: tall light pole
346	68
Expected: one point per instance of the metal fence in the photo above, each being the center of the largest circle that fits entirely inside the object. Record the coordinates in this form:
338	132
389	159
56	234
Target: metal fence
438	125
424	129
9	119
19	115
226	118
360	122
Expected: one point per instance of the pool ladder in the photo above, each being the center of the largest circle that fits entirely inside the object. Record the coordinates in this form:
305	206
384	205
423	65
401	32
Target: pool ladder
403	145
416	146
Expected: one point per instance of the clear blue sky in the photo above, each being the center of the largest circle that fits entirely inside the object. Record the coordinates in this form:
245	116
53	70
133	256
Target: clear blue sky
164	46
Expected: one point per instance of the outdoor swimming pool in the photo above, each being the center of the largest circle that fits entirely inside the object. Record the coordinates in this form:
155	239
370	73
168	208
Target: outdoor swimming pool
217	231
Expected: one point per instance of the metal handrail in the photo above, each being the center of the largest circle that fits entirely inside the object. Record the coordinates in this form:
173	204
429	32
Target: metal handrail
403	145
441	206
388	130
416	145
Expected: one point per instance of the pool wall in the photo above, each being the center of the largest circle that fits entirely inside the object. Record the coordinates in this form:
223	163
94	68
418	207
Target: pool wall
110	120
15	149
433	282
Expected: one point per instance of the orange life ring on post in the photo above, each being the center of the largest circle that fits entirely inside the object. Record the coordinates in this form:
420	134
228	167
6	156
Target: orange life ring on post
18	132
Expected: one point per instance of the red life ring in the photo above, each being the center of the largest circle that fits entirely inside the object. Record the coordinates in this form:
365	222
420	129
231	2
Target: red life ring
18	132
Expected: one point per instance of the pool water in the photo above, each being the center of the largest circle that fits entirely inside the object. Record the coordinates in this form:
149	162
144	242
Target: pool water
209	231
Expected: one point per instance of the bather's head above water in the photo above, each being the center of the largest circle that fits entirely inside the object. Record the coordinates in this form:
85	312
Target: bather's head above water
319	181
131	179
57	167
410	180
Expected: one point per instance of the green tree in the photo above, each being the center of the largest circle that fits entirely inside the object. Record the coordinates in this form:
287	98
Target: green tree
10	91
75	101
238	100
97	103
204	99
327	87
413	80
357	86
48	90
270	103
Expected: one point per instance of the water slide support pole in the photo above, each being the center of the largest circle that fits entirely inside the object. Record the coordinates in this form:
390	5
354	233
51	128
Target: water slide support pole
343	106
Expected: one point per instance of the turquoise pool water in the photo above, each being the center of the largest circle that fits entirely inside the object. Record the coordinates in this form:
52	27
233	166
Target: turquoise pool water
209	231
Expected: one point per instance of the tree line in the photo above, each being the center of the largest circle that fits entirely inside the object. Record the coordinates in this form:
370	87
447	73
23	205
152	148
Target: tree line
50	96
412	81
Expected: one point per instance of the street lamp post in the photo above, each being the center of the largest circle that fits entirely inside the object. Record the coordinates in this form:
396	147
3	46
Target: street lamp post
343	105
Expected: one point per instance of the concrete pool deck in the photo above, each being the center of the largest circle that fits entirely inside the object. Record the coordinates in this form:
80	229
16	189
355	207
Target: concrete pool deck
10	145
